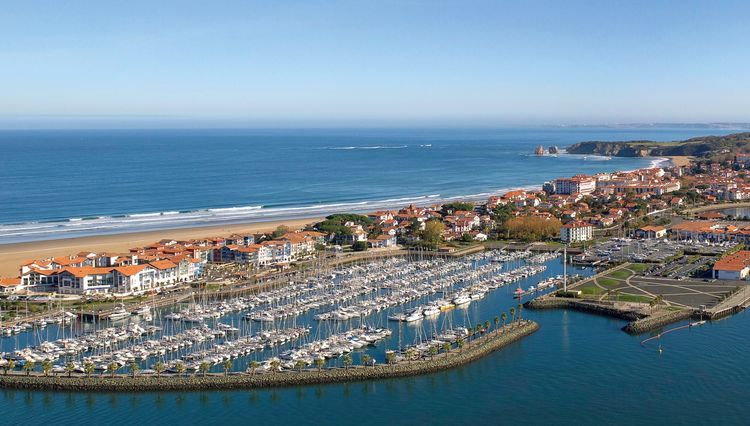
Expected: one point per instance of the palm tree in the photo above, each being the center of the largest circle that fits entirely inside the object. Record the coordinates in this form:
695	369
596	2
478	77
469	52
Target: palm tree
159	368
46	367
390	357
432	351
347	361
487	326
70	368
11	365
180	368
478	329
504	317
410	354
204	367
460	342
512	315
254	366
320	362
365	359
28	367
275	364
112	368
520	308
446	348
88	368
299	365
134	367
497	322
227	364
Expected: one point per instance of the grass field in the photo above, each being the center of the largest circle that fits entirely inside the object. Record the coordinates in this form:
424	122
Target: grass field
621	274
638	267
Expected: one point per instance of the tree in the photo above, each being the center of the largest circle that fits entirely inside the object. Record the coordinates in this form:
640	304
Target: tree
280	231
227	364
532	228
432	351
46	367
497	322
365	359
275	364
88	368
359	246
446	348
159	368
432	234
10	366
512	315
204	367
112	368
460	342
390	357
520	308
486	325
504	317
467	238
299	365
347	361
410	354
28	367
254	366
134	367
180	368
320	362
69	368
451	208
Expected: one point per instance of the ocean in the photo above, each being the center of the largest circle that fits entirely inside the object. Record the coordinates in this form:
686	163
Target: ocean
69	183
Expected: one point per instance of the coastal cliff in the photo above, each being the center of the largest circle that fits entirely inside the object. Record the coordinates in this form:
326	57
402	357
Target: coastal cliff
704	146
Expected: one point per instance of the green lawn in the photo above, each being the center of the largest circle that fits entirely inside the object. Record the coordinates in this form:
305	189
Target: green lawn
608	282
620	274
638	267
591	291
634	298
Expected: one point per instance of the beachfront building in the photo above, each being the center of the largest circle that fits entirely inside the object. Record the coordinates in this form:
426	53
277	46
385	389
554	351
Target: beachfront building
11	285
576	231
85	280
733	267
579	184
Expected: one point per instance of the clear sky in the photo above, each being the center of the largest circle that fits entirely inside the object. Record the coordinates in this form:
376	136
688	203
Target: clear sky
401	62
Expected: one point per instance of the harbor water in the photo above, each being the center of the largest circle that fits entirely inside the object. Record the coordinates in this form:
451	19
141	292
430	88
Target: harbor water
577	369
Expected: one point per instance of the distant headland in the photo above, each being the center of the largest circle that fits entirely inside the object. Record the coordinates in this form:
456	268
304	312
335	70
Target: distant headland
703	146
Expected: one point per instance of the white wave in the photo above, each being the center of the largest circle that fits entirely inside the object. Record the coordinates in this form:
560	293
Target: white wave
347	148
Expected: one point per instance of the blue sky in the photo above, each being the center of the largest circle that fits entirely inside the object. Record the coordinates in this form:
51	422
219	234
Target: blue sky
330	63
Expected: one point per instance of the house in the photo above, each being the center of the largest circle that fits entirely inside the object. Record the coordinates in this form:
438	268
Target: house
651	232
382	241
11	285
576	231
733	267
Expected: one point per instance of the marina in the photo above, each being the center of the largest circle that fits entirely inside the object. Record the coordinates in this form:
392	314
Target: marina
391	310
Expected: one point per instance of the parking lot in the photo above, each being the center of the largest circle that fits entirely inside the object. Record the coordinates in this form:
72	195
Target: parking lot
653	250
628	285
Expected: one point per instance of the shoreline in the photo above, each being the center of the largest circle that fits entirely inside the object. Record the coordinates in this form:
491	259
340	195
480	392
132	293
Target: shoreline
473	351
12	254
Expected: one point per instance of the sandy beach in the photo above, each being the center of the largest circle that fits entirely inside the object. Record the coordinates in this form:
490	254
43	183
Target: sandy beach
680	161
11	255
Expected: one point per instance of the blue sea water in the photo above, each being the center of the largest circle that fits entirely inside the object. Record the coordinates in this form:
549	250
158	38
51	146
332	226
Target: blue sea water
577	369
63	183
